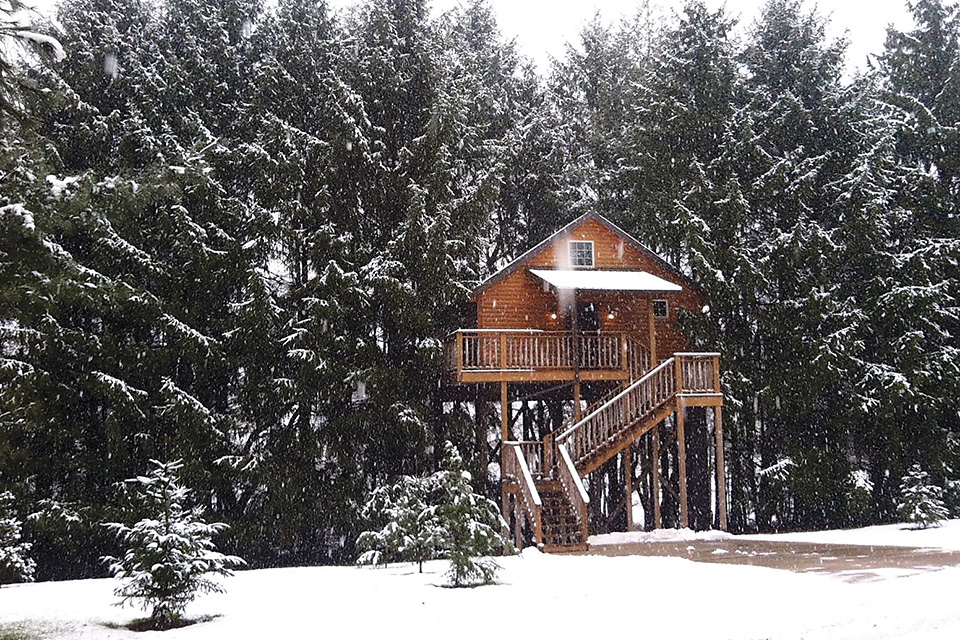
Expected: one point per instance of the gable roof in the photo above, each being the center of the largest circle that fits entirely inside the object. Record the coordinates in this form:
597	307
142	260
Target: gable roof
517	262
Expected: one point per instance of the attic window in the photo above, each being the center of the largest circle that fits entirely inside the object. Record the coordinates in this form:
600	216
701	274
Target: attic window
660	309
581	253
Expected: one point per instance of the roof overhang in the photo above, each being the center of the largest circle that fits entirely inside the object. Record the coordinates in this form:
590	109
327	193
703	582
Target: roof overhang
597	280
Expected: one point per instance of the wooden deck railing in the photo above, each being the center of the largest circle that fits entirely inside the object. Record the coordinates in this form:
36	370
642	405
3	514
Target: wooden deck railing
698	372
515	464
522	349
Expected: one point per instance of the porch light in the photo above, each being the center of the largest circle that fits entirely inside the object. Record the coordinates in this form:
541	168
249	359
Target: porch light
553	316
610	315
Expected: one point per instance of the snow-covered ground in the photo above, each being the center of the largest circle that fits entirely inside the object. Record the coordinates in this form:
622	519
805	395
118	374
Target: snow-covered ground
539	596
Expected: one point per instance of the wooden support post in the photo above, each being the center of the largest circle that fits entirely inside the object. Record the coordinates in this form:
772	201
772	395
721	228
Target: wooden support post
682	462
655	469
504	413
505	507
576	401
721	470
652	321
628	484
518	529
625	357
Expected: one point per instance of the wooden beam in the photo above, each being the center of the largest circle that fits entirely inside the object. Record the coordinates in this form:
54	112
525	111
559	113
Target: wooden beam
682	463
577	411
505	509
628	484
504	413
518	528
652	322
721	470
655	469
543	392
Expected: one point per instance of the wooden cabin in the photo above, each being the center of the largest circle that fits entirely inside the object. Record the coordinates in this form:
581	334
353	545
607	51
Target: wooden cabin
586	325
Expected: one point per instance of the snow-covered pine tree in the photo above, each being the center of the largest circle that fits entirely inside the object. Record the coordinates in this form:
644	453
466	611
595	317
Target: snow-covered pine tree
410	529
472	524
921	501
169	556
15	563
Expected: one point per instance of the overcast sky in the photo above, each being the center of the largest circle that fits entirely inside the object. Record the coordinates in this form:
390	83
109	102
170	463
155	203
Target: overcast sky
541	27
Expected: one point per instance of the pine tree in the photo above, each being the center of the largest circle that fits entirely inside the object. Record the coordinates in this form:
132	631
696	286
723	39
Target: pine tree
471	522
169	553
410	527
15	563
921	501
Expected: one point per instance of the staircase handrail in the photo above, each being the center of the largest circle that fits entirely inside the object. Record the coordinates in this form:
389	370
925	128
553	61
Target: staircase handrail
529	496
573	488
585	419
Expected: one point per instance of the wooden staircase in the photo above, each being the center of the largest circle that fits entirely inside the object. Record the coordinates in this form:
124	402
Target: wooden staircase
547	476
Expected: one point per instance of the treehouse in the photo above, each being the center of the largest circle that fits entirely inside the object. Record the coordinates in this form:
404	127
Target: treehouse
579	343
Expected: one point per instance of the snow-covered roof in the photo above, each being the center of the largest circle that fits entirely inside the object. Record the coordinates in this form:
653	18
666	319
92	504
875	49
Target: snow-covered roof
597	280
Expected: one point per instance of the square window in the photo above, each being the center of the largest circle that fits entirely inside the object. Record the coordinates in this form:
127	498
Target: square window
581	253
660	309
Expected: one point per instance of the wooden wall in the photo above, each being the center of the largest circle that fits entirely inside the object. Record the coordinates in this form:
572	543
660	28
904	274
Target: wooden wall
523	301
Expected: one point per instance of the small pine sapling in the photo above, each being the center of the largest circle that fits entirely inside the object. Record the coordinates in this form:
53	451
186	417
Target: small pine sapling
409	527
15	564
169	553
921	501
472	524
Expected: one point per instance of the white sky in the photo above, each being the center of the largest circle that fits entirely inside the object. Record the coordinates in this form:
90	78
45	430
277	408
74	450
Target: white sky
541	27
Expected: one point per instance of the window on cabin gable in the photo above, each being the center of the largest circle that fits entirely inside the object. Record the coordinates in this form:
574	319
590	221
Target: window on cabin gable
581	253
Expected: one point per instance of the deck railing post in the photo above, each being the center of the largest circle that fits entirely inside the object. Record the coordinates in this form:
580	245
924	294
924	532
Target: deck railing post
459	355
679	370
716	374
503	351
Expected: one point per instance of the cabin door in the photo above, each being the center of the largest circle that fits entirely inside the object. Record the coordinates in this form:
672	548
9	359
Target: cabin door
588	318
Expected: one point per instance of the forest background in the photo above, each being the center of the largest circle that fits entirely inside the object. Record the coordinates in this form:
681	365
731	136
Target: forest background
217	218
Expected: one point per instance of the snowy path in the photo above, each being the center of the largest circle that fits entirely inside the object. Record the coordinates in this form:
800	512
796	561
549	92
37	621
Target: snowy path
571	596
852	563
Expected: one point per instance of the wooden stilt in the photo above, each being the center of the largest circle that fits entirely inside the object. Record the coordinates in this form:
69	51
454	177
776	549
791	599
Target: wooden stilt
505	509
655	469
518	528
682	463
504	413
576	401
628	484
721	470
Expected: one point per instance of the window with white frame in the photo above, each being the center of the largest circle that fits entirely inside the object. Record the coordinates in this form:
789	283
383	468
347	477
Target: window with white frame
660	309
581	253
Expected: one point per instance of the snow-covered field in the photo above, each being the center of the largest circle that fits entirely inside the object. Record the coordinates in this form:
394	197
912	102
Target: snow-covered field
539	596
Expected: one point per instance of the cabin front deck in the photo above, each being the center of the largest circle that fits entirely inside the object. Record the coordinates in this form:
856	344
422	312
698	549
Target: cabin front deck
532	355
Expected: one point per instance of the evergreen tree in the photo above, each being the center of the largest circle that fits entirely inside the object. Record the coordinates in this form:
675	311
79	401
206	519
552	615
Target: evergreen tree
921	501
169	554
471	522
410	528
15	563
